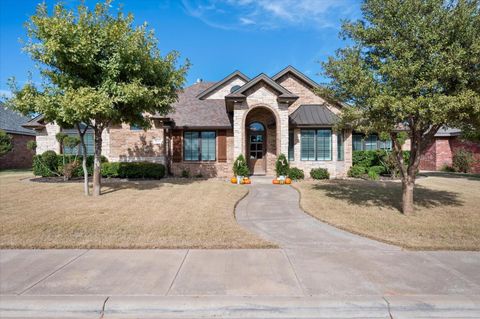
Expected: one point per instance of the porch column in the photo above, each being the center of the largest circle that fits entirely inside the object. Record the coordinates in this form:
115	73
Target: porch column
283	129
238	130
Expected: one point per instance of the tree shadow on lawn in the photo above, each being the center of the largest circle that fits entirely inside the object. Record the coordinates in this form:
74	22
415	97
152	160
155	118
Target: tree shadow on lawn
115	185
384	194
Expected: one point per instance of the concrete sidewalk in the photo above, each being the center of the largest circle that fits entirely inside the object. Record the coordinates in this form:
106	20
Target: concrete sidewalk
319	272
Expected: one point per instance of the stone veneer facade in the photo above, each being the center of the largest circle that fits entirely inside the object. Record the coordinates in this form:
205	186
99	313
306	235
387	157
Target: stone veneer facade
120	143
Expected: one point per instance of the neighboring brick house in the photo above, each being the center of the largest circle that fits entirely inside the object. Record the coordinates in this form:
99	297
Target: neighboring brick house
215	122
20	156
447	142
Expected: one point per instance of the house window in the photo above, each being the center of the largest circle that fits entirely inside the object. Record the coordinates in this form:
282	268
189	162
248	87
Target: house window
340	148
357	142
361	142
291	145
371	142
135	127
89	143
316	145
199	146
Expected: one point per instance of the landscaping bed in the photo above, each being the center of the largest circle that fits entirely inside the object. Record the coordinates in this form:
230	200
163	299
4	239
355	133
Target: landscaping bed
447	210
168	213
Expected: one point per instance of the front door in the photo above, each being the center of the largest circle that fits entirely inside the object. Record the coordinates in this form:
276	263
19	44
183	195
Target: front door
256	148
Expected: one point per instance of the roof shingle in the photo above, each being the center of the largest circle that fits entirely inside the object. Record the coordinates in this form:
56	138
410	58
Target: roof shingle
11	122
191	112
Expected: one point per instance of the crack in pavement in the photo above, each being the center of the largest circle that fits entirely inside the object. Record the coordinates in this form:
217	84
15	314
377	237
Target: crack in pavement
53	273
102	312
388	307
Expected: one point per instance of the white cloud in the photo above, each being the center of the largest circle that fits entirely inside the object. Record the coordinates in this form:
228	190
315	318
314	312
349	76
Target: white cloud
268	14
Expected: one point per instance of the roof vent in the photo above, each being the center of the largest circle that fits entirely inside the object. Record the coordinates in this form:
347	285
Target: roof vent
199	80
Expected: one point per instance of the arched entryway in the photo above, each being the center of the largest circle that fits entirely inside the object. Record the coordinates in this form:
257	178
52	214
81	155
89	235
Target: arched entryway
261	141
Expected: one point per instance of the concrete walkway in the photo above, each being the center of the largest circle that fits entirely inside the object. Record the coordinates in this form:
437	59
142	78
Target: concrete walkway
319	272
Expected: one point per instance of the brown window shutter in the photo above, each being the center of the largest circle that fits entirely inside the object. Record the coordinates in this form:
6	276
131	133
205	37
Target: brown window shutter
222	145
177	145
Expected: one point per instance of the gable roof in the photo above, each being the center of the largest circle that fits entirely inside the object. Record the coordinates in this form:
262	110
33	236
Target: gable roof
11	122
192	112
214	86
262	77
298	74
36	123
448	131
313	114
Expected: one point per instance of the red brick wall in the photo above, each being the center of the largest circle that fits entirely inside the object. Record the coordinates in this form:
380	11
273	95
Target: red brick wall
20	156
474	147
428	159
441	152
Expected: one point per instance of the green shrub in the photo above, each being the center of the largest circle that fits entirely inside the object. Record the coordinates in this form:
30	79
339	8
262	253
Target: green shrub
296	173
50	164
110	169
377	169
357	171
447	168
240	167
373	175
319	173
185	173
462	161
6	144
382	158
374	172
281	165
133	170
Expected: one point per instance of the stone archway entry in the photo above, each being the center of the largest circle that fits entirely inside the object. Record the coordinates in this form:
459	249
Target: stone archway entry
256	148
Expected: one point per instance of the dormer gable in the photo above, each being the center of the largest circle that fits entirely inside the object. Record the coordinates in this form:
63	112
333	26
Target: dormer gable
290	70
225	86
281	92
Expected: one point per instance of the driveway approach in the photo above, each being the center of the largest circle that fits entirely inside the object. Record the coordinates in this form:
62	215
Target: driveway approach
318	272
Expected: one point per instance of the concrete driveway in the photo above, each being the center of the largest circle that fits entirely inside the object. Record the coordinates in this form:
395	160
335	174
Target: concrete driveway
319	272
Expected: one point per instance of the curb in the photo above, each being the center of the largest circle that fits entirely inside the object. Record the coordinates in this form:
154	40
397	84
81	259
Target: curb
239	307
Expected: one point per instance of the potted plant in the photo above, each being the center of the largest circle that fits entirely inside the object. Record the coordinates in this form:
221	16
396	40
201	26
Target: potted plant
282	167
240	168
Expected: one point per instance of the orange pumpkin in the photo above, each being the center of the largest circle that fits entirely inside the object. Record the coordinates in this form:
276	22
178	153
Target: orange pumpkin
288	180
233	180
248	181
276	181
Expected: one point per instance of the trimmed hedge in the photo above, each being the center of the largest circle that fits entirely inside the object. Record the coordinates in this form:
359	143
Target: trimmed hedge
319	173
296	173
357	171
133	170
50	164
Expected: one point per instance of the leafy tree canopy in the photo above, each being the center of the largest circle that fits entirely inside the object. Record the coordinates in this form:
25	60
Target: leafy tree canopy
97	67
412	65
414	62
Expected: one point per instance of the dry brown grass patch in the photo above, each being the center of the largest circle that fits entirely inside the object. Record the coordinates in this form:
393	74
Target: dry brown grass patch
136	214
447	212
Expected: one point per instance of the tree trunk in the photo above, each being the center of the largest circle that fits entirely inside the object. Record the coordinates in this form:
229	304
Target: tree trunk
97	176
84	159
407	195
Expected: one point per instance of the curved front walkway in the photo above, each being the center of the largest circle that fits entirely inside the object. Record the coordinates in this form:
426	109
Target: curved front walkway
273	212
330	261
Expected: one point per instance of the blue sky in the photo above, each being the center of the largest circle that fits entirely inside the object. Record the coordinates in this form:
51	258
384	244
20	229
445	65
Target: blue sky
217	37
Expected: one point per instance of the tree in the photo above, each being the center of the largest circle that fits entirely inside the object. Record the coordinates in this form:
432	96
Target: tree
5	143
99	70
412	65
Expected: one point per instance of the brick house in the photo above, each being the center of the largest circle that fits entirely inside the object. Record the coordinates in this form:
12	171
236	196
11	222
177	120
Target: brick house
447	142
20	156
214	122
